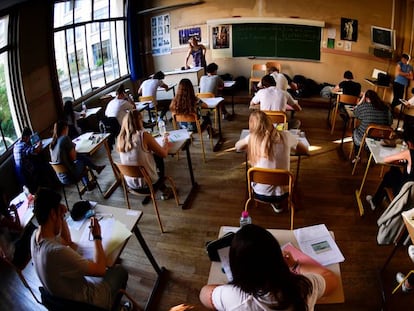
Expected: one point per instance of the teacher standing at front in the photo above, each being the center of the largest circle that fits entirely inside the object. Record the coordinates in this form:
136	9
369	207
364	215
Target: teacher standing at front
403	73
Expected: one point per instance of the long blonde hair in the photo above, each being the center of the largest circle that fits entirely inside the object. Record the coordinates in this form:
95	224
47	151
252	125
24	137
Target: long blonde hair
263	136
131	123
185	100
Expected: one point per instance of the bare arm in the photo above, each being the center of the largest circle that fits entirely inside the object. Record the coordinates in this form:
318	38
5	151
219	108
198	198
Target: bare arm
401	156
301	149
242	143
186	59
164	86
152	145
205	296
97	267
293	103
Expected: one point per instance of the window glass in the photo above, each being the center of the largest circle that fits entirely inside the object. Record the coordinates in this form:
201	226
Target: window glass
8	119
91	51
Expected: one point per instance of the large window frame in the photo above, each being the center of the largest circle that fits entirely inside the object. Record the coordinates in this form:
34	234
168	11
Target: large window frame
80	28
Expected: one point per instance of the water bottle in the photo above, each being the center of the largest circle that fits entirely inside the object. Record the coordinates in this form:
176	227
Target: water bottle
245	219
161	127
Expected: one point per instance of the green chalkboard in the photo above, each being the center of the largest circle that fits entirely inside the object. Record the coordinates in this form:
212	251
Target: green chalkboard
277	40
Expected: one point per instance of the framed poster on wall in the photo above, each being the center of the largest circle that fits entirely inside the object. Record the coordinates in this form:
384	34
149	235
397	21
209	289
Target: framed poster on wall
160	35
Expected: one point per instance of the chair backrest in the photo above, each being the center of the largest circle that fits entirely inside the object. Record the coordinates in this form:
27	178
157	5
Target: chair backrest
134	171
146	99
180	117
59	167
205	95
379	131
273	64
258	70
347	99
276	116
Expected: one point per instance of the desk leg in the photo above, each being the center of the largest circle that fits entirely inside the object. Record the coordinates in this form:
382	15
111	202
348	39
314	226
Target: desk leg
194	185
220	141
358	192
297	171
160	271
232	103
117	181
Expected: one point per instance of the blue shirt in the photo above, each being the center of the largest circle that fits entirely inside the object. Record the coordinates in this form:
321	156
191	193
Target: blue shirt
22	153
404	68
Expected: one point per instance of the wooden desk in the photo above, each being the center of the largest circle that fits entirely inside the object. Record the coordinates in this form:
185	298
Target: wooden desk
378	153
377	88
180	140
88	144
193	74
130	219
214	103
216	276
166	93
24	212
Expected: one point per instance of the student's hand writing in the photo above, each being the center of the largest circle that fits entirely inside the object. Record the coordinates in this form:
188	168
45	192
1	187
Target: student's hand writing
95	227
290	261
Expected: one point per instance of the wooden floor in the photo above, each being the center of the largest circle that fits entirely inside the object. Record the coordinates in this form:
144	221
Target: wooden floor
325	194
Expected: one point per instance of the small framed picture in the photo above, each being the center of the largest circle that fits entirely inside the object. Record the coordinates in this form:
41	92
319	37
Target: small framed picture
349	29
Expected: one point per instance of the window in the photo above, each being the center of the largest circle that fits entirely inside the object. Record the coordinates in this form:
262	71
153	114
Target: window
90	44
8	118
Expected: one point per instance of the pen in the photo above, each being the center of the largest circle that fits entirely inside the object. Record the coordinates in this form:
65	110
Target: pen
98	219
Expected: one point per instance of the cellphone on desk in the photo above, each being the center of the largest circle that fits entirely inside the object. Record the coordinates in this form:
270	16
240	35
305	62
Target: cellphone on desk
34	139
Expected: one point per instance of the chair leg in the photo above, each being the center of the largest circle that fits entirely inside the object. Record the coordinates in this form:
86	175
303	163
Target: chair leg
202	146
64	195
358	158
79	191
334	118
402	282
211	137
174	189
154	202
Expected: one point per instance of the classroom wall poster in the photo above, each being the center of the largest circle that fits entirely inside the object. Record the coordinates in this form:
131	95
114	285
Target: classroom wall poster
221	37
349	29
187	33
160	35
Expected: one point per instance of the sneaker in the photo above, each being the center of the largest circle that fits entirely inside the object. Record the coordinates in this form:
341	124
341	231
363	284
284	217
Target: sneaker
370	201
146	200
126	306
166	194
399	277
276	208
411	252
100	168
356	159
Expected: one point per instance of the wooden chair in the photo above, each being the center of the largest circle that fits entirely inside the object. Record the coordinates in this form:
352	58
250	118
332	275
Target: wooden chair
215	110
61	168
373	131
193	118
137	171
342	99
256	74
276	116
277	177
273	64
150	110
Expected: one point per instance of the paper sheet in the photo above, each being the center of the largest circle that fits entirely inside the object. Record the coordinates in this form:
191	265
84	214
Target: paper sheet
317	242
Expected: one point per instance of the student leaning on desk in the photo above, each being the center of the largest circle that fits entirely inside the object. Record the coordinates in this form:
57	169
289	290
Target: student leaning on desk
62	271
264	278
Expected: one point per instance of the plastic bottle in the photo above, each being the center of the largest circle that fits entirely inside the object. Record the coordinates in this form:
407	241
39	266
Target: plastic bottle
245	219
161	127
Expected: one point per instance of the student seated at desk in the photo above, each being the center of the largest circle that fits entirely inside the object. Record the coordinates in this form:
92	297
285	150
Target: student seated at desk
281	80
72	117
395	178
137	147
212	83
269	148
348	85
149	88
62	151
185	102
403	75
63	272
264	278
369	110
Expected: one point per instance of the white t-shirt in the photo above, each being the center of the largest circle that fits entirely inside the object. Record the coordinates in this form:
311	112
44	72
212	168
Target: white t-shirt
117	108
281	81
228	297
272	98
210	84
149	88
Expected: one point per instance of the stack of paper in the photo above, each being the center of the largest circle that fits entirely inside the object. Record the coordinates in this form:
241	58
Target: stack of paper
317	242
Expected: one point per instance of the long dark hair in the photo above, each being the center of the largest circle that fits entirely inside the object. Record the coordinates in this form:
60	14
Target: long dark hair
68	110
375	100
57	131
258	268
185	99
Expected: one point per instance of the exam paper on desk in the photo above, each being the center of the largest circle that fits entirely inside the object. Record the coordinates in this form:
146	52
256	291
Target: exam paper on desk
113	232
317	242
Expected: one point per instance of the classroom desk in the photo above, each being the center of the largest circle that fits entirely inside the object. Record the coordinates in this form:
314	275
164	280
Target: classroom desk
24	212
350	117
216	276
91	111
180	140
166	93
214	103
378	153
193	74
378	88
89	143
130	219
